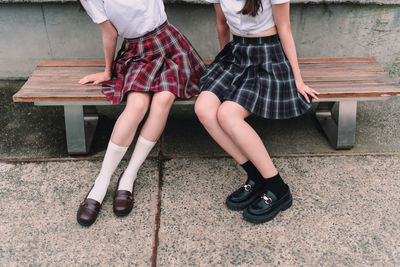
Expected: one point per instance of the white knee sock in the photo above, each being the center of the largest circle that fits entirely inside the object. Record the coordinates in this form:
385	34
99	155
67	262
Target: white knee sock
111	160
142	149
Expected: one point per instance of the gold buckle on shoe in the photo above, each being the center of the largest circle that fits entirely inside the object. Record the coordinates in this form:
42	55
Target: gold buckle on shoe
267	200
84	204
247	187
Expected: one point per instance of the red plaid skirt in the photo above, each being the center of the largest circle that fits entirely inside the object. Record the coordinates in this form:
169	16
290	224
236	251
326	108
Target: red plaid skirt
162	60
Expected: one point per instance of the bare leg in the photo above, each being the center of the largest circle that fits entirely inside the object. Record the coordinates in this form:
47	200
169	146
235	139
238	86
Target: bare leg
127	123
206	108
150	133
123	133
231	116
159	110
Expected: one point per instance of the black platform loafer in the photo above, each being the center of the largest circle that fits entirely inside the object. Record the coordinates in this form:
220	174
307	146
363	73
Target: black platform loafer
244	196
88	211
266	207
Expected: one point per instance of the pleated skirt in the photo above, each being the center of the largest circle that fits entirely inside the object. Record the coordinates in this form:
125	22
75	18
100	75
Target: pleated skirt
162	60
255	73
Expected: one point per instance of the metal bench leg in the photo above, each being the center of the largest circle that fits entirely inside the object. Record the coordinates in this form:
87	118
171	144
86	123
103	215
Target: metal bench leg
339	125
80	126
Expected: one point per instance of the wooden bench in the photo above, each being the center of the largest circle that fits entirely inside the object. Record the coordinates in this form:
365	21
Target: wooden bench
341	83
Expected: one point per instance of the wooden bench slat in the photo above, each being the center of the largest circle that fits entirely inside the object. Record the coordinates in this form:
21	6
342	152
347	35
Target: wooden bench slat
357	95
349	79
48	90
360	68
58	84
312	78
69	68
342	71
337	59
336	62
378	81
72	80
40	88
332	78
305	72
66	95
342	89
316	71
330	65
70	63
58	99
67	85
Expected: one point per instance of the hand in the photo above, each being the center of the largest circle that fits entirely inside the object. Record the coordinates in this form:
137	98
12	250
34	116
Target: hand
304	90
96	78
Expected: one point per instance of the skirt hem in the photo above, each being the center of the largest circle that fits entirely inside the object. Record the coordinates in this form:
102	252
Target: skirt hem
258	113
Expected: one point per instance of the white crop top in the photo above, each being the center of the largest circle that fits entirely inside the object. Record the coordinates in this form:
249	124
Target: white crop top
245	24
131	18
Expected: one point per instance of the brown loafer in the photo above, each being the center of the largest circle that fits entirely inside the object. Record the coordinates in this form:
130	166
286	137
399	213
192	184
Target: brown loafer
88	211
123	201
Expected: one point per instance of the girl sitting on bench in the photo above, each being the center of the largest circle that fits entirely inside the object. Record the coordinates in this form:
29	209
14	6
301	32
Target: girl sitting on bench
156	64
253	74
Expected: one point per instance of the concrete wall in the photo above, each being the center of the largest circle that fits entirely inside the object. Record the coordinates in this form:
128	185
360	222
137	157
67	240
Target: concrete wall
31	32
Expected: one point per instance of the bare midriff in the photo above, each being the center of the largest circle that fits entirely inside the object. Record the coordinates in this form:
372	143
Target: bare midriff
268	32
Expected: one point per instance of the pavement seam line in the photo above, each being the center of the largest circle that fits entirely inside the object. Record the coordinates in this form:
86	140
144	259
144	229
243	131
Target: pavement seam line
160	165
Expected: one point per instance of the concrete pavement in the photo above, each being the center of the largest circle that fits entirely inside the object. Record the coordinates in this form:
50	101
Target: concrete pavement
345	211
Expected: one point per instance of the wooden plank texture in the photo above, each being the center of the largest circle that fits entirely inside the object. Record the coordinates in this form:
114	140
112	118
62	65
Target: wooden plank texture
332	77
69	63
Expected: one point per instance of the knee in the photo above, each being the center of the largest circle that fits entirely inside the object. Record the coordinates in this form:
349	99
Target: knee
204	112
137	104
163	101
226	118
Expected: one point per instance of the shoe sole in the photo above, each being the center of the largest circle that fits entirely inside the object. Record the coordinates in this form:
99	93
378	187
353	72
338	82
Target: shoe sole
84	224
123	214
242	205
270	216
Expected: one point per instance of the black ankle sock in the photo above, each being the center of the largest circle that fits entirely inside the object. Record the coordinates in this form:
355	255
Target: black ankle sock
252	172
276	185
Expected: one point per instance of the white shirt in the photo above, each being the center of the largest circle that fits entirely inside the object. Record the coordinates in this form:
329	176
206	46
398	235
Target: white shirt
245	24
131	18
